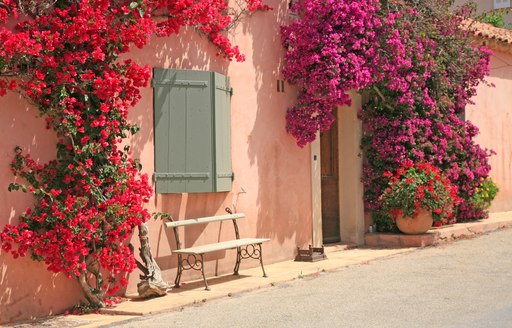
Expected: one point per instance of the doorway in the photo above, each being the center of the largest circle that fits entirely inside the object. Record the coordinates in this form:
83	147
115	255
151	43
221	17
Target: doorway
338	208
329	167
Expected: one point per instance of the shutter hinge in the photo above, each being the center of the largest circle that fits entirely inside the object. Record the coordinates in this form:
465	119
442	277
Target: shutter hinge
226	175
182	175
226	89
180	83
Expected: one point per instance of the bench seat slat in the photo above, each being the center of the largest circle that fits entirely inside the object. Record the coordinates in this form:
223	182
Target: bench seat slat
220	246
208	219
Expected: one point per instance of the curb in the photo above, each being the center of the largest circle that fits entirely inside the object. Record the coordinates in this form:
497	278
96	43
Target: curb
437	236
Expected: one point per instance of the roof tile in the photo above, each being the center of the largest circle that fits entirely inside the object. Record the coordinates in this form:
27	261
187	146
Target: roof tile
488	31
494	37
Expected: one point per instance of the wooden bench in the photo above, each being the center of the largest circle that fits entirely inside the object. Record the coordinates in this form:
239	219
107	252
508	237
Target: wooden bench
246	247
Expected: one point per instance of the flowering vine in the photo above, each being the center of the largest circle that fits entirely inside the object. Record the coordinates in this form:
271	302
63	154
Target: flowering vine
63	56
328	51
418	70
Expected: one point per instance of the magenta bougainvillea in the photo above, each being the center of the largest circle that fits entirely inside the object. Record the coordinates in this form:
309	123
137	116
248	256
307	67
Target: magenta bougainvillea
328	51
63	56
414	111
418	70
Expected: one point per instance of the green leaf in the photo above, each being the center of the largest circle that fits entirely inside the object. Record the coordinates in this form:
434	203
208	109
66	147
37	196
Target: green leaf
63	92
134	5
13	186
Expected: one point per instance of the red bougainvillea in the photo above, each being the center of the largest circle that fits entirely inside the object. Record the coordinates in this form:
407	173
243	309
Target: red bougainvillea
63	56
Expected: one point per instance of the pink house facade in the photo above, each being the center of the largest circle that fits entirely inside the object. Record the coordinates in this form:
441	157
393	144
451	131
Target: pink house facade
278	185
492	110
272	176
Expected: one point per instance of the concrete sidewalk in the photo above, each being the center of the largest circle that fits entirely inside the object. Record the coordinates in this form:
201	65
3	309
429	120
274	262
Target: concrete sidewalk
193	293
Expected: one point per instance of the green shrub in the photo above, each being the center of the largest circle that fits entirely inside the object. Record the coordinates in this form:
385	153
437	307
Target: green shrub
495	20
484	194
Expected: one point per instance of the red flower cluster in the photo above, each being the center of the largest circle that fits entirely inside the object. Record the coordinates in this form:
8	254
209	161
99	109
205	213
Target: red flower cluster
419	186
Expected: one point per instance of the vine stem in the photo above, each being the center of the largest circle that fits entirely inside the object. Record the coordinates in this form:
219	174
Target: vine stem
382	97
152	284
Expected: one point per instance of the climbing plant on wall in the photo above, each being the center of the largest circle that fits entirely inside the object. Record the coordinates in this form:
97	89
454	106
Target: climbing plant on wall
63	56
418	69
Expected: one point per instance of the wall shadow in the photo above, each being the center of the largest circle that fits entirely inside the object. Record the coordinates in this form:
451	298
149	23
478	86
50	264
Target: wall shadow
27	289
266	161
188	50
284	197
21	127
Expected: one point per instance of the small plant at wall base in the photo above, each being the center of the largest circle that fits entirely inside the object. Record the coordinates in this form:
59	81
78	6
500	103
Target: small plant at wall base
484	194
63	56
478	203
416	187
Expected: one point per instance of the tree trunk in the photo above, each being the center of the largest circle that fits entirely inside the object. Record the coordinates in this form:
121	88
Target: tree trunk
93	299
151	284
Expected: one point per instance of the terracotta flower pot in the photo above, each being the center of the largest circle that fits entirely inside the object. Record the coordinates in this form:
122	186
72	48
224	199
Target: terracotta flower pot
417	225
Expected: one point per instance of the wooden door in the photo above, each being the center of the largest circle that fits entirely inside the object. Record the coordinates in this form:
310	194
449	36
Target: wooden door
330	180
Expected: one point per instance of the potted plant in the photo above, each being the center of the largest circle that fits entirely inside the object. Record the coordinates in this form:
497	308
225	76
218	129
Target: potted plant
418	196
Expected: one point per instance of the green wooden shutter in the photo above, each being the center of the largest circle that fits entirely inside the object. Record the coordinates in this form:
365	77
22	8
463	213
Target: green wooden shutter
191	131
222	124
161	90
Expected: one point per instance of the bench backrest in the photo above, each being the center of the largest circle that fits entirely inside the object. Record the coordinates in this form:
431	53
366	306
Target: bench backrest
205	220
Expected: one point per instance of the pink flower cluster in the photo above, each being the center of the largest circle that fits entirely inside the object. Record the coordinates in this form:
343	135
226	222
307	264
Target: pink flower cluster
414	110
419	70
328	51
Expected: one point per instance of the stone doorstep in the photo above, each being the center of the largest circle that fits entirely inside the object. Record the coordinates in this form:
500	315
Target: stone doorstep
437	236
393	240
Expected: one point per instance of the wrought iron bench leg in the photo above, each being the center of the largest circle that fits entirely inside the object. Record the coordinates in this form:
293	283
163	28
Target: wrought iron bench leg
206	287
261	261
180	271
238	260
249	251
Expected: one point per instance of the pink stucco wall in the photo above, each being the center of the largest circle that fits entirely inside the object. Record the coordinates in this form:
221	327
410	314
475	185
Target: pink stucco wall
272	175
492	113
268	166
27	289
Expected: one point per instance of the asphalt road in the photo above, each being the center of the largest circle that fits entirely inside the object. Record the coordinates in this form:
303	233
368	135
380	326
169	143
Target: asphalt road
465	284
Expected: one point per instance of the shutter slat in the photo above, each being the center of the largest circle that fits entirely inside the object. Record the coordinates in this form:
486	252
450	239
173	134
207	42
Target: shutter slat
199	131
185	83
177	131
161	129
183	175
222	102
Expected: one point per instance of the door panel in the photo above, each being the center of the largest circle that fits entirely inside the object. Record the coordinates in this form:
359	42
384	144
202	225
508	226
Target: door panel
330	180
